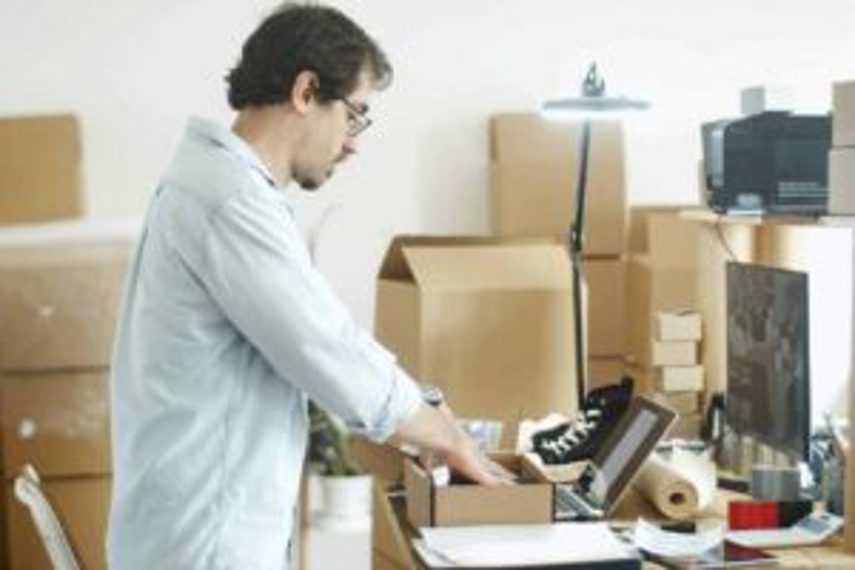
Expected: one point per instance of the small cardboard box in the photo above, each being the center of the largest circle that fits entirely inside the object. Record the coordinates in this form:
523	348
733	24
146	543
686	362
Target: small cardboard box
489	321
60	304
674	353
680	378
40	169
843	114
461	504
841	181
678	324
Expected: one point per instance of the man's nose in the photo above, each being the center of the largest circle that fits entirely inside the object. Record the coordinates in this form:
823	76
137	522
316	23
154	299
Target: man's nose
349	147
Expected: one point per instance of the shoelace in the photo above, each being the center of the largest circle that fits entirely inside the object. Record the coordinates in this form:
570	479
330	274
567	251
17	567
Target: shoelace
576	433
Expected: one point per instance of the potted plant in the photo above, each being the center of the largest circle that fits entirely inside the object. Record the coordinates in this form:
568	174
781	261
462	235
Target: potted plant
345	490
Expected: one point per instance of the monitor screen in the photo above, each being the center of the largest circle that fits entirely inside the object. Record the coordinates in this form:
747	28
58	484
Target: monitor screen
768	381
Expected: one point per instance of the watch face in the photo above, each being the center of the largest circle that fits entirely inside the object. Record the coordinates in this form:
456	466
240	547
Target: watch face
432	395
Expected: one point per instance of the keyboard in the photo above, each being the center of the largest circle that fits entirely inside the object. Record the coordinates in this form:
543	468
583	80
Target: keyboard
569	505
810	531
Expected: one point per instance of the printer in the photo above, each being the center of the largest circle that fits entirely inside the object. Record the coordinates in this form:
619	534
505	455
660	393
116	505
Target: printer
772	162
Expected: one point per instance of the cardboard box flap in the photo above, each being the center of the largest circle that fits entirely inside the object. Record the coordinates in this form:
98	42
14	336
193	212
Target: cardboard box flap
483	265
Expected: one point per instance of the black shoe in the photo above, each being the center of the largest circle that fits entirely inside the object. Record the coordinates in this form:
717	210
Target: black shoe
583	438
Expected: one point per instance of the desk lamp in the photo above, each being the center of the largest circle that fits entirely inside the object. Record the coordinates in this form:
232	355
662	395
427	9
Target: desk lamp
593	101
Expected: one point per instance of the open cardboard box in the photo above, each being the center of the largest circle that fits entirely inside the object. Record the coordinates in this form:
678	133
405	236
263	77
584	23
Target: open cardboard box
463	503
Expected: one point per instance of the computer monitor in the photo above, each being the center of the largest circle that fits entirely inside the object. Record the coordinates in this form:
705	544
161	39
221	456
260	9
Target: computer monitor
768	379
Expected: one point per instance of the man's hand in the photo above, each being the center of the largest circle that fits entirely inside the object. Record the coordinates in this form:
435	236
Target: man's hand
462	454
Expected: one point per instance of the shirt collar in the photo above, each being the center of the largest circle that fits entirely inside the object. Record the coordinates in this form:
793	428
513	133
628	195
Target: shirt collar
226	139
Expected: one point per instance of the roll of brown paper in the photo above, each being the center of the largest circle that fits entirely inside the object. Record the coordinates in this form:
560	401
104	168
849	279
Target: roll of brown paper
681	486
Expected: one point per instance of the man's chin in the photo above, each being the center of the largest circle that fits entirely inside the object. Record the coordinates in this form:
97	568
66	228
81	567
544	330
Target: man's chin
312	184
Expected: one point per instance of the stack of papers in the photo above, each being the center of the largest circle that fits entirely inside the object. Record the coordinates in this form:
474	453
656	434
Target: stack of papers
504	546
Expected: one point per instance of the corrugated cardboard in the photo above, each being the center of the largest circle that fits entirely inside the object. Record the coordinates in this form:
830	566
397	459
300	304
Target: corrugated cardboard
672	239
686	427
534	178
674	353
606	279
683	403
466	504
650	289
490	322
387	541
680	378
384	462
60	304
678	324
58	422
638	236
843	114
81	504
538	199
605	371
40	169
841	181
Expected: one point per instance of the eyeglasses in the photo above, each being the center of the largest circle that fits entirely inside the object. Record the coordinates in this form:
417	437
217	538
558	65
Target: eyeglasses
357	118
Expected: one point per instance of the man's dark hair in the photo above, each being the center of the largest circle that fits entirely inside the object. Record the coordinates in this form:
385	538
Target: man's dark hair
297	38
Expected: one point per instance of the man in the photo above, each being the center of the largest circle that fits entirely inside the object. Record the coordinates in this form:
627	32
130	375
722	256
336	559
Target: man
226	327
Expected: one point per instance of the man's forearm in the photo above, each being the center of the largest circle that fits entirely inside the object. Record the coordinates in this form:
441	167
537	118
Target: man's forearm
431	429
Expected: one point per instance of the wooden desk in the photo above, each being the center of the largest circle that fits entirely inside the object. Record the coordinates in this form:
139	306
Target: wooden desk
392	536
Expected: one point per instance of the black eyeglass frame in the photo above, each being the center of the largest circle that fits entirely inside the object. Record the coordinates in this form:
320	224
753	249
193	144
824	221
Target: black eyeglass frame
357	118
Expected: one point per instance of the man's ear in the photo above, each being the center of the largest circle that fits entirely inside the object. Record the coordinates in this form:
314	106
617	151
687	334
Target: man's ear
304	91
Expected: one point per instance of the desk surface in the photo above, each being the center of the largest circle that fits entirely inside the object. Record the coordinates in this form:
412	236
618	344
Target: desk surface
391	524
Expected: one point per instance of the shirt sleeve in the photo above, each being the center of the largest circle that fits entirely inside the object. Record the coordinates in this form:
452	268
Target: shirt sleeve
256	267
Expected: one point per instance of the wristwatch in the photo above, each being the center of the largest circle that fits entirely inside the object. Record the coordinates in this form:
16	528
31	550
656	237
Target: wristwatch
432	395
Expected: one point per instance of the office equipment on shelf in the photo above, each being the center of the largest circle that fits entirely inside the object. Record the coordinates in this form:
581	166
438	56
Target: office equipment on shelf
609	474
812	530
768	376
774	162
579	545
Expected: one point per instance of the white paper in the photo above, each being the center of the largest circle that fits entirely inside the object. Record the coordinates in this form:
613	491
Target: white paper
498	546
654	540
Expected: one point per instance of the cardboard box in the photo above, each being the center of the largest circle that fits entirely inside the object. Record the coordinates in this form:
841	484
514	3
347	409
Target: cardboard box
674	353
605	371
843	114
534	176
680	378
60	304
651	288
638	235
40	169
684	403
385	462
606	280
389	546
538	199
58	422
841	181
528	502
678	324
489	321
82	506
686	427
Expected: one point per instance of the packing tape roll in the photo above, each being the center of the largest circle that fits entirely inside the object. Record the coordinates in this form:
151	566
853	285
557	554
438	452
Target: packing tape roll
679	487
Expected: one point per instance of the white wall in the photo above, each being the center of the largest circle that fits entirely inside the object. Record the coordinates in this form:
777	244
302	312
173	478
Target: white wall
135	69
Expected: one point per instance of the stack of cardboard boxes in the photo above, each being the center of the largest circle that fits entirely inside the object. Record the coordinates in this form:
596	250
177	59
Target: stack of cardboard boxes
58	299
679	378
534	169
841	158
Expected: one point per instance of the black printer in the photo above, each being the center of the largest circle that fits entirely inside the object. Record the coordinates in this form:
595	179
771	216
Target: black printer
772	162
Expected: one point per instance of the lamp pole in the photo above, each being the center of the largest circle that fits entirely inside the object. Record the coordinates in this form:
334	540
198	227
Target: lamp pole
592	101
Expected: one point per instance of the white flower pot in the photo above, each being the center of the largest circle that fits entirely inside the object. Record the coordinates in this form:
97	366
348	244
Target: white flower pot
345	503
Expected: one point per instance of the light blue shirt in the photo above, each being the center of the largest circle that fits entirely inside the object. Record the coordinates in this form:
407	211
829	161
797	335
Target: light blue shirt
225	327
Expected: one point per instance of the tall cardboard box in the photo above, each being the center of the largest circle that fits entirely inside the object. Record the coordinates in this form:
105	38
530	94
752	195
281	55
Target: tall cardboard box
490	321
40	169
841	180
534	174
843	114
606	287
